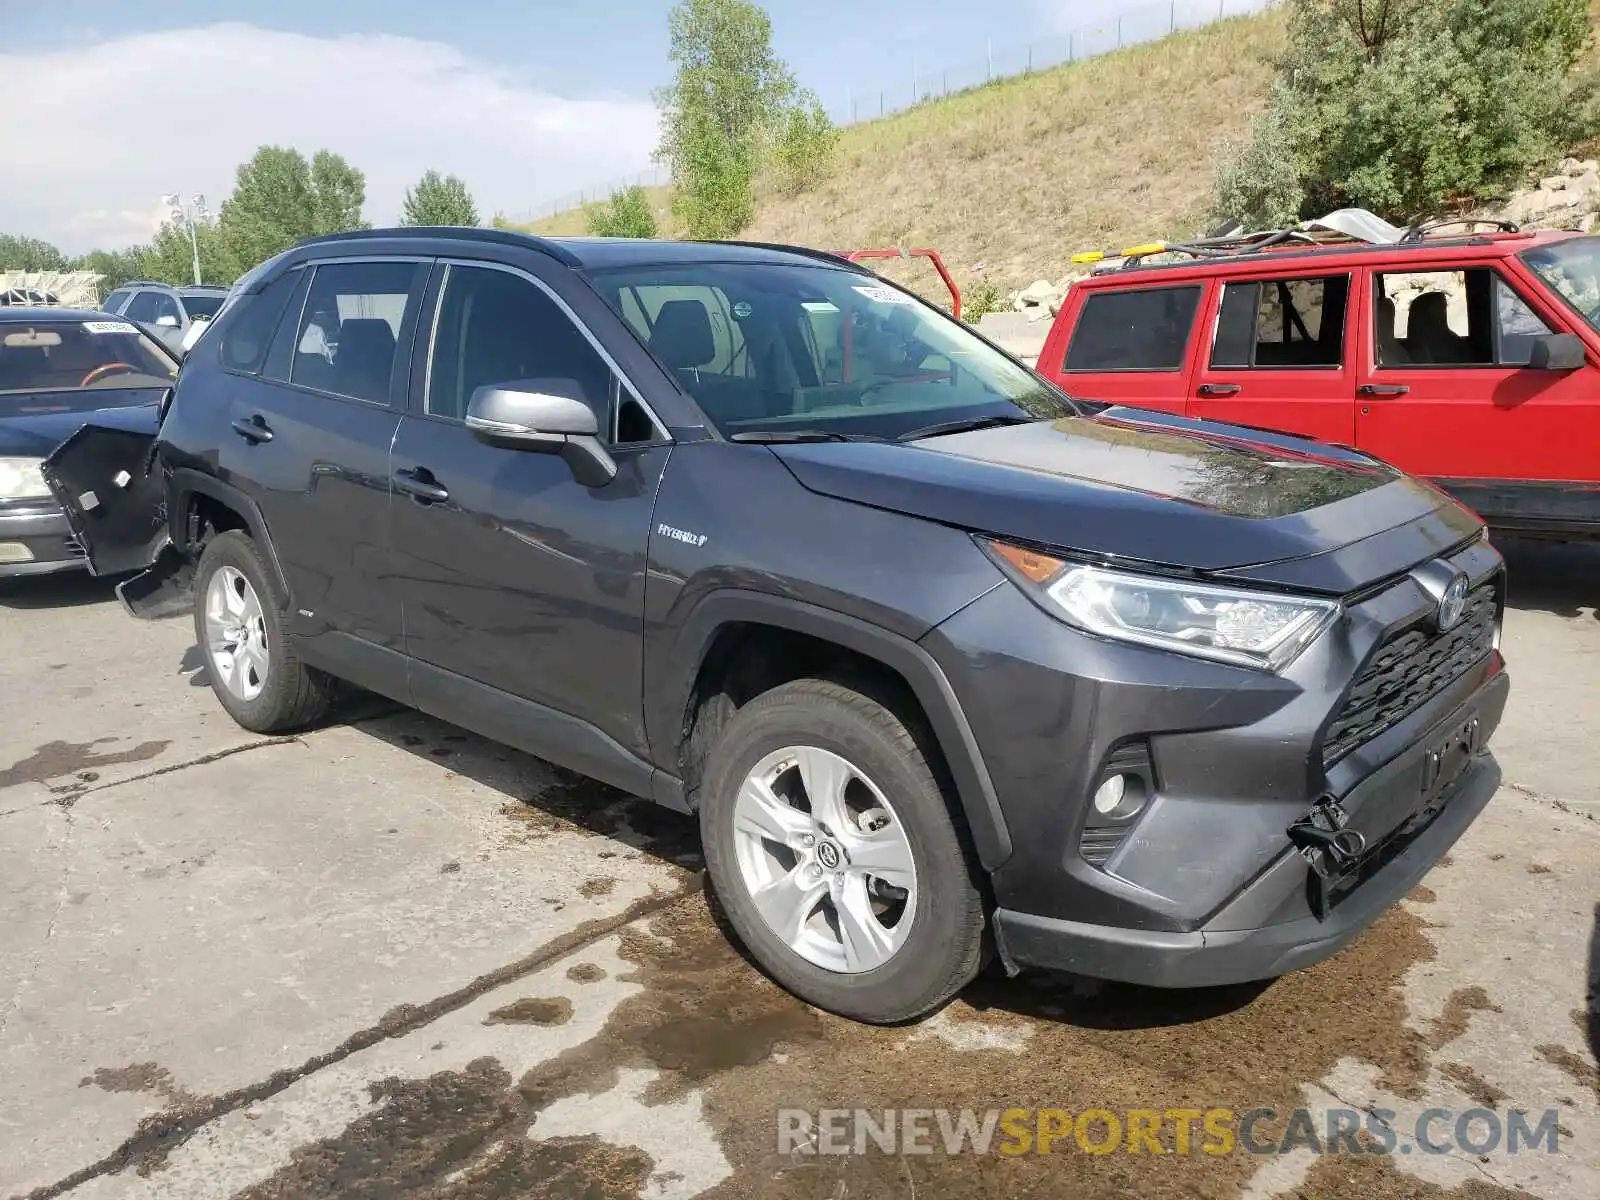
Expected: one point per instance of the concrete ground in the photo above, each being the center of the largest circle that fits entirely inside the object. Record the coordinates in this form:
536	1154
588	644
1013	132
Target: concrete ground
388	959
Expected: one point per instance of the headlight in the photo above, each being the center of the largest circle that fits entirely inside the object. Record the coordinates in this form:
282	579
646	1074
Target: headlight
20	479
1248	628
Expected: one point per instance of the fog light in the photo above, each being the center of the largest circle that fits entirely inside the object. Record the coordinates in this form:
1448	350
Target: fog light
15	552
1109	795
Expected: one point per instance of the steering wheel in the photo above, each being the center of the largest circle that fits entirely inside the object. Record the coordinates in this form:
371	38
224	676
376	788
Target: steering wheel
106	369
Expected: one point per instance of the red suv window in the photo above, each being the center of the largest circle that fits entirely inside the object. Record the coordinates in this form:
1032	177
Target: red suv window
1142	330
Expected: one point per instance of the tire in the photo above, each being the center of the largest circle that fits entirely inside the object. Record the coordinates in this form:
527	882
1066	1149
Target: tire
893	792
264	686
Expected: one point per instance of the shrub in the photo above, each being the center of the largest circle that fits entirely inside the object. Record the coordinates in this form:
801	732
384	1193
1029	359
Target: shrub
625	214
981	299
803	152
1405	107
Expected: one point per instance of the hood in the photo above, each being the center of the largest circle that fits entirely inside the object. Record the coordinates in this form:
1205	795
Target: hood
36	423
1158	489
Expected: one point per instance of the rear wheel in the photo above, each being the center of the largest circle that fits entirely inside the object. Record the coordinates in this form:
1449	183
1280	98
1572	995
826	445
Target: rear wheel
835	854
254	670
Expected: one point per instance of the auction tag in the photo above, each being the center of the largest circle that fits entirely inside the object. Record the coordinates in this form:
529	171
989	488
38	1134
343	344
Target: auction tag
883	295
109	327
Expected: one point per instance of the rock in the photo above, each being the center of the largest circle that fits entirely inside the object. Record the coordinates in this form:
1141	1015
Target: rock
1553	183
1588	181
1575	167
1037	294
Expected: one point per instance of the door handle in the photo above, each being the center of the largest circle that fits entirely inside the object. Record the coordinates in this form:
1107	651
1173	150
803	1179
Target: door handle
421	486
1382	389
1219	389
253	429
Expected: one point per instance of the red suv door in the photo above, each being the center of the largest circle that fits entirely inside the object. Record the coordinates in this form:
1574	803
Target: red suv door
1280	356
1446	389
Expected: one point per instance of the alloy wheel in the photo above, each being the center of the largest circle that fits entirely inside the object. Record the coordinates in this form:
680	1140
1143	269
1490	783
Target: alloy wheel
825	859
236	633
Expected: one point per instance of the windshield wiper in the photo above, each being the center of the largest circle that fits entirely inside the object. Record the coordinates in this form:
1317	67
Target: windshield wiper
966	426
784	437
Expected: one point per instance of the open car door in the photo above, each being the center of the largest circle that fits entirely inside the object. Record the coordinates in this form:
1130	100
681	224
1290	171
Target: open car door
113	489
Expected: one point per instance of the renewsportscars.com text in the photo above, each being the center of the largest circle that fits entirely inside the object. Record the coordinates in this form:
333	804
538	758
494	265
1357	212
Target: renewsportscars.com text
1213	1131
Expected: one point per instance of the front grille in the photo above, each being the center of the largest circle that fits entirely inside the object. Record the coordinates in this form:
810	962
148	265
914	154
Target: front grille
1408	670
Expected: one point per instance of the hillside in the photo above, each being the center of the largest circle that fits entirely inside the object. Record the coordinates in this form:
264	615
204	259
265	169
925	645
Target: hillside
1008	180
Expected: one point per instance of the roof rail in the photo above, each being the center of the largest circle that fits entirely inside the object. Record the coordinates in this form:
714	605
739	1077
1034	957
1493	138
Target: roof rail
1421	230
504	237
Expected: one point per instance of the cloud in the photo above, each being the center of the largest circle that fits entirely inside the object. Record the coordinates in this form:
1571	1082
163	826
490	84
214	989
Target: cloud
108	129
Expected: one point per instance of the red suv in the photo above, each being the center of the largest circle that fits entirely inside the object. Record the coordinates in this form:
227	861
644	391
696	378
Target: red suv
1471	360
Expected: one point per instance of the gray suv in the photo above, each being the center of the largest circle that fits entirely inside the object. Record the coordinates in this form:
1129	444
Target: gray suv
946	662
164	311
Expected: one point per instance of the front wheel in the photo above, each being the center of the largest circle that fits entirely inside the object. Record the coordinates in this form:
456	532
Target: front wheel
836	856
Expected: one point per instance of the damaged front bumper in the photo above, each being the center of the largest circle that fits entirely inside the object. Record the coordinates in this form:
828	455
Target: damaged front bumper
112	488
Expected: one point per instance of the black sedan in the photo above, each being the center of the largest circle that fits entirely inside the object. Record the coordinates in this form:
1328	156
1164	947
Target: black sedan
59	368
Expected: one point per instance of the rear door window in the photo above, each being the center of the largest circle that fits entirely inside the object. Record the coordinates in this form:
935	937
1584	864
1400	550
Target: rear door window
1146	329
348	335
1279	324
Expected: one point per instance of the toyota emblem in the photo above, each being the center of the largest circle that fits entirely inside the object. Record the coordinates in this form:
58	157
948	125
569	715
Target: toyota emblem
1452	603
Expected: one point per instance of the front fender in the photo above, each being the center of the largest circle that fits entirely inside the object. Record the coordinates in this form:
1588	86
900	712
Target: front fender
669	700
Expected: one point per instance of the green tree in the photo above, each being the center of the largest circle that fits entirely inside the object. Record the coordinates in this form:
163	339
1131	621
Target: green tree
1407	107
170	258
727	105
115	266
29	254
805	146
279	198
625	214
438	200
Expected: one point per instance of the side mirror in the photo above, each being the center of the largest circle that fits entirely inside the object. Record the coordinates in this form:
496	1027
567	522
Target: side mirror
546	416
167	321
1556	352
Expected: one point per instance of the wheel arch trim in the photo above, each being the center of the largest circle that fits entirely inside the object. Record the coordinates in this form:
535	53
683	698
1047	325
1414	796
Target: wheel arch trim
911	662
187	483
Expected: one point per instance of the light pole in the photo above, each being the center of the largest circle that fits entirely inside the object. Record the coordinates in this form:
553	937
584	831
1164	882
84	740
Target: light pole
188	214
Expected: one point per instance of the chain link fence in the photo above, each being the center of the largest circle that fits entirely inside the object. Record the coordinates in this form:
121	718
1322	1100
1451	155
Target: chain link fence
913	83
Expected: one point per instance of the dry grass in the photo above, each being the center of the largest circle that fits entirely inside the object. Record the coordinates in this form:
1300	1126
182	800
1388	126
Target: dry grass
1008	180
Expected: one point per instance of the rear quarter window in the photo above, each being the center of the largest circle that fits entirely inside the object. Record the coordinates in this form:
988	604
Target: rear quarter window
252	323
1146	329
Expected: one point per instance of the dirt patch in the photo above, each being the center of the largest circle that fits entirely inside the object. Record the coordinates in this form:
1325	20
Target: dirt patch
1422	894
1376	1178
1473	1084
1452	1020
706	1020
593	889
138	1077
586	972
56	759
1538	869
534	1010
1582	1071
456	1135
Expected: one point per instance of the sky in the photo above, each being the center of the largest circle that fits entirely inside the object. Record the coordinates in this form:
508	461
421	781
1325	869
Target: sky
105	108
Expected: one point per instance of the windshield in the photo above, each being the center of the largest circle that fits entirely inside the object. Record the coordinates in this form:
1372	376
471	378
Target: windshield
203	306
788	347
1571	269
56	355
